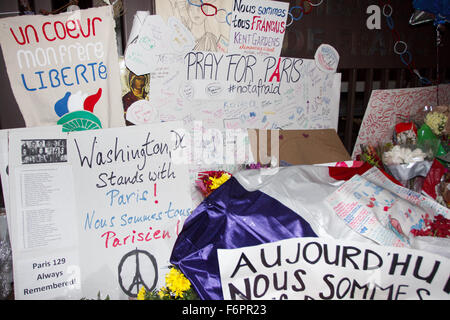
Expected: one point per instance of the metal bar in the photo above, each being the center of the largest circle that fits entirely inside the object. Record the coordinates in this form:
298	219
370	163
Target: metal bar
350	109
368	86
384	81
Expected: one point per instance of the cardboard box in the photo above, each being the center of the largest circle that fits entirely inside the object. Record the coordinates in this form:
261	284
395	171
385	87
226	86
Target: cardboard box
298	146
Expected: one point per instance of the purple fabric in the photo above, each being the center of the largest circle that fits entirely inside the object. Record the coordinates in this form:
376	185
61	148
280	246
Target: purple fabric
231	217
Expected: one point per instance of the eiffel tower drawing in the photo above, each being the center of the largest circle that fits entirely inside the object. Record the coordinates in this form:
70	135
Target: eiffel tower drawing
137	281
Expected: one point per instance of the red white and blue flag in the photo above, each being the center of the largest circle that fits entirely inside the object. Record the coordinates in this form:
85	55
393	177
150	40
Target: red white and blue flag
267	205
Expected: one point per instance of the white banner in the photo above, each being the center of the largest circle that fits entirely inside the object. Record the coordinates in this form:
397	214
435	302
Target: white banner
324	269
64	66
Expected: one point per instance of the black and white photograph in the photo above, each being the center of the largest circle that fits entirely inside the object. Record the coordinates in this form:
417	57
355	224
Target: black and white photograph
44	151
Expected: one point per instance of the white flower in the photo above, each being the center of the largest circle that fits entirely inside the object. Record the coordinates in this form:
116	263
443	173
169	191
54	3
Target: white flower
399	155
436	121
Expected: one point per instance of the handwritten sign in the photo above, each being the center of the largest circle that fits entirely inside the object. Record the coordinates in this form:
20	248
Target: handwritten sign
207	22
109	211
134	211
375	212
322	269
140	54
154	39
375	176
258	27
248	91
327	58
51	59
142	112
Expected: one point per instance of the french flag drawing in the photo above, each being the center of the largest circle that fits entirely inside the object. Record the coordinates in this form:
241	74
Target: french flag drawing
76	111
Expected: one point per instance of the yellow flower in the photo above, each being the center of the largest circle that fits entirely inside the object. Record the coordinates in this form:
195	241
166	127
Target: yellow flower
217	182
177	282
163	293
141	294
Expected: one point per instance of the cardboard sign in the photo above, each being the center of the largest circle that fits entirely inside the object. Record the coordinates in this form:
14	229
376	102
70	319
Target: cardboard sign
258	27
299	146
328	269
65	63
97	212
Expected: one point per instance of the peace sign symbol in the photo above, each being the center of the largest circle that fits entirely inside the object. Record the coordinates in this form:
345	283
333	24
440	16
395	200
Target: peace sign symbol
139	258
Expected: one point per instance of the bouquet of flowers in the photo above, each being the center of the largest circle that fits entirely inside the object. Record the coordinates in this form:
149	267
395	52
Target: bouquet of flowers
404	155
371	155
437	122
438	227
208	181
405	133
407	162
420	115
435	129
177	287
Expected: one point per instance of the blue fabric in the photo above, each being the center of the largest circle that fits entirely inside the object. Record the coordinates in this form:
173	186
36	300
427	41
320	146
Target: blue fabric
231	217
440	8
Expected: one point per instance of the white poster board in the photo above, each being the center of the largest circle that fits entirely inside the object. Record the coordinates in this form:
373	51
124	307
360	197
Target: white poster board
100	214
229	91
64	63
325	269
